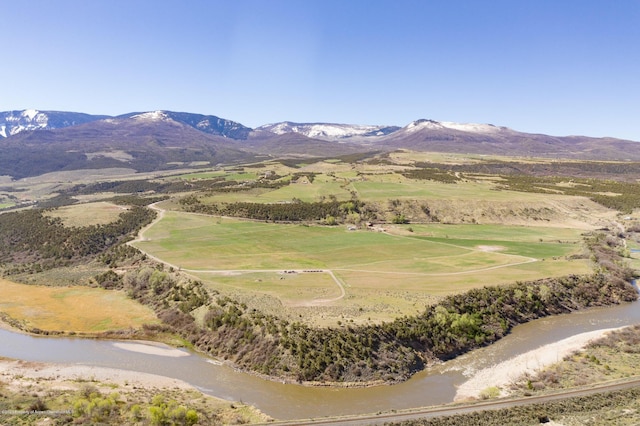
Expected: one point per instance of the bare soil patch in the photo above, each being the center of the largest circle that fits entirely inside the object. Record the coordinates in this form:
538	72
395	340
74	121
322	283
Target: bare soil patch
490	248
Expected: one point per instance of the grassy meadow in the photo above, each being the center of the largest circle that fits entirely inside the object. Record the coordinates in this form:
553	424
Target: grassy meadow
78	309
384	274
97	213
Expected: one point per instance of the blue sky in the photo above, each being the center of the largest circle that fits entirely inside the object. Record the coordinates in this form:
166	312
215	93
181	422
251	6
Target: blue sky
559	67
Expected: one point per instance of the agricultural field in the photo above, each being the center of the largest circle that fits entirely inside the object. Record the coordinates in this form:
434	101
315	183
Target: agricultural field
359	275
77	309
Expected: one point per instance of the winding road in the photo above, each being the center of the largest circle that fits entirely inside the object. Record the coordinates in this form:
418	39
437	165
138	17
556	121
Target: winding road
161	212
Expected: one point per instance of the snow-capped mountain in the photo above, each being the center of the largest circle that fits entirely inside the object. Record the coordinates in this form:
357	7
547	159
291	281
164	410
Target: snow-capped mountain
422	124
205	123
328	131
14	122
34	142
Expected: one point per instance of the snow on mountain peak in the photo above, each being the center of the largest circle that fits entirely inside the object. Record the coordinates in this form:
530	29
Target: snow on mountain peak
463	127
470	127
151	116
414	126
329	131
30	113
14	122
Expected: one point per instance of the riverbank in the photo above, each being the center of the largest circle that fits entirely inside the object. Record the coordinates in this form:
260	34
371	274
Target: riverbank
18	373
505	373
53	390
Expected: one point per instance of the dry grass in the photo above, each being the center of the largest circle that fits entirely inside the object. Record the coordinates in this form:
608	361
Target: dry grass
77	309
98	213
293	289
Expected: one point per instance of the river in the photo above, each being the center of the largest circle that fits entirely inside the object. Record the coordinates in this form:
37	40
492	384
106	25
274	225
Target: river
288	401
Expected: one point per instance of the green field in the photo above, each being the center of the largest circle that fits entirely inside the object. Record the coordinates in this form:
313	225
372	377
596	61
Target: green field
212	243
383	274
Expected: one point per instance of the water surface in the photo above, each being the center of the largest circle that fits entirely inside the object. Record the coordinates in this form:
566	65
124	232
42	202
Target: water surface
288	401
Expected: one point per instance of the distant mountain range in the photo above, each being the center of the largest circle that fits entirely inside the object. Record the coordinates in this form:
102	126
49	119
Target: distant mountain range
34	142
14	122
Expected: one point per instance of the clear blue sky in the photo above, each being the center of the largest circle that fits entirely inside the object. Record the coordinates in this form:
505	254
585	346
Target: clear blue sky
559	67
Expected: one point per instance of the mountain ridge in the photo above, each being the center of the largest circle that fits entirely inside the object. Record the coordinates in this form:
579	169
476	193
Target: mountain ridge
33	119
39	141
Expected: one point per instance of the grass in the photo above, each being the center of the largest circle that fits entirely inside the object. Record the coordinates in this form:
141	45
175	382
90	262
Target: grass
295	289
514	236
78	309
213	243
199	242
382	187
498	232
322	187
98	213
384	275
237	176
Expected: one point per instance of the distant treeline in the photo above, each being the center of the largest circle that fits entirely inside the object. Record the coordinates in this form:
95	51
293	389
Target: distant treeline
625	196
430	173
216	184
297	163
619	194
388	352
620	170
294	211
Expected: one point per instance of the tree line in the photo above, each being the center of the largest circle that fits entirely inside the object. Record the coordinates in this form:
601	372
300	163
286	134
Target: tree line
294	211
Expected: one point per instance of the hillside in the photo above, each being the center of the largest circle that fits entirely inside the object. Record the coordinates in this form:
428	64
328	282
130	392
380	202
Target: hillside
37	142
142	142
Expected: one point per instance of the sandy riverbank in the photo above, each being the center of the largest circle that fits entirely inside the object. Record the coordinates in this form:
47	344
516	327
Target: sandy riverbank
16	372
151	348
59	385
508	371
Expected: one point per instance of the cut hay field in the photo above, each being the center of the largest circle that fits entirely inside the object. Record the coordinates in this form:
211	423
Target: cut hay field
383	274
77	309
